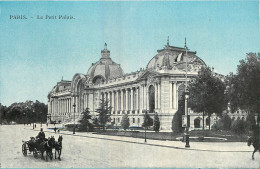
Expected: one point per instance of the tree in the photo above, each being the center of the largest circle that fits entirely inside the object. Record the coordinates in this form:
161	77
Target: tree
95	122
224	123
250	122
104	112
125	122
156	124
85	124
238	126
207	93
244	90
3	111
177	117
148	121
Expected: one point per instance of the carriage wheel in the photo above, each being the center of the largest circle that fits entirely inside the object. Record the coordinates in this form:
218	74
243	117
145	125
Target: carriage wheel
35	153
24	149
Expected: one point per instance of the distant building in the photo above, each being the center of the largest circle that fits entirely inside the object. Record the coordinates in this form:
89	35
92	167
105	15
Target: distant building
154	89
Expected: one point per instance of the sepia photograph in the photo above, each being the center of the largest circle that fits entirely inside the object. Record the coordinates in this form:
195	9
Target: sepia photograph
130	84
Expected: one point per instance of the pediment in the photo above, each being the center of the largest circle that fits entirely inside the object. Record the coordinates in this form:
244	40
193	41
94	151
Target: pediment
148	74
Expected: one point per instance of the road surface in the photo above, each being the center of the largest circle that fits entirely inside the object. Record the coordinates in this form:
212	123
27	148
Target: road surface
86	150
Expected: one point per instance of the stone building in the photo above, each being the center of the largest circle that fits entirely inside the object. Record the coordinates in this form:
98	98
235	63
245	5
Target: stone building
157	88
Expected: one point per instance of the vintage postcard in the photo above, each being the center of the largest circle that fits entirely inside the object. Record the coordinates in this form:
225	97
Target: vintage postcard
129	84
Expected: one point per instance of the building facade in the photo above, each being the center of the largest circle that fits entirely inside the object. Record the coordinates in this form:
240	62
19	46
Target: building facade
157	88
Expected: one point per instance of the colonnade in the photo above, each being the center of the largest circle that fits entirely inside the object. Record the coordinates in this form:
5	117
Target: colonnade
60	107
133	99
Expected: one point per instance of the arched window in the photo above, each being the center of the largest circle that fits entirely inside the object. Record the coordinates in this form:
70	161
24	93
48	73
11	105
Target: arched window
207	121
151	98
98	80
197	123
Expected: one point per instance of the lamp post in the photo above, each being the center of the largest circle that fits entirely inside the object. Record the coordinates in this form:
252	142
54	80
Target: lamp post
33	122
74	105
186	100
41	118
187	126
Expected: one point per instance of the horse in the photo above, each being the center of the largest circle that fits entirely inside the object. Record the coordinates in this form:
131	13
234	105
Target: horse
256	144
47	146
58	146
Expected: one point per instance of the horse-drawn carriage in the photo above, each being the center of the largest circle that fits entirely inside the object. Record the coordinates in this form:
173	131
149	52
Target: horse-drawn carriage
39	147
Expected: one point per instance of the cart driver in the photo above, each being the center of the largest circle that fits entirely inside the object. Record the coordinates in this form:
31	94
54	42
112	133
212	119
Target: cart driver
41	136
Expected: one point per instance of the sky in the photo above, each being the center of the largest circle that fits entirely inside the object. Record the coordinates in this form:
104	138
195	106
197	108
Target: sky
36	53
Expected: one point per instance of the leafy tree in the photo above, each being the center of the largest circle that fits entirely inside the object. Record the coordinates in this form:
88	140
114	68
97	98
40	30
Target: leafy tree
125	122
104	113
148	121
85	124
207	93
244	91
224	123
239	126
250	122
25	112
156	124
3	111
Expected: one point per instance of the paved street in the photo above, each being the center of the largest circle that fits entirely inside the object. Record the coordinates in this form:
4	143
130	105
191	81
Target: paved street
97	151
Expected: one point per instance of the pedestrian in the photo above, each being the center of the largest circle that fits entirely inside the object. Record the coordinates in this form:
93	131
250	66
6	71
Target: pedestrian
47	124
55	129
35	126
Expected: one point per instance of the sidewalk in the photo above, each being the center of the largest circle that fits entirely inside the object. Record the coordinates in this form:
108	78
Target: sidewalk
194	146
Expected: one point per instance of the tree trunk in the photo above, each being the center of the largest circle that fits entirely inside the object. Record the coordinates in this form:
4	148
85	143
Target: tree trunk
209	122
203	121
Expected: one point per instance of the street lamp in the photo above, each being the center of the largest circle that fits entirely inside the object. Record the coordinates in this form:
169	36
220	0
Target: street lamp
41	118
186	100
187	126
33	122
74	105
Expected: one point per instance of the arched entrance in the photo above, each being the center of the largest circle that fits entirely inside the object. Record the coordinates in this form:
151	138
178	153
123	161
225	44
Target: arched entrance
197	123
207	121
151	98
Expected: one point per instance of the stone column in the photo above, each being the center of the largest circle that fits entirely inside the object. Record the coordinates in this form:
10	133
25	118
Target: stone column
174	96
132	99
171	95
113	103
122	99
156	96
147	97
126	99
137	98
159	95
141	98
117	100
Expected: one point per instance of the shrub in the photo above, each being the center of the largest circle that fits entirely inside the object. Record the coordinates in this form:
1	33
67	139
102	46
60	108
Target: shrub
238	126
250	122
125	122
156	124
224	123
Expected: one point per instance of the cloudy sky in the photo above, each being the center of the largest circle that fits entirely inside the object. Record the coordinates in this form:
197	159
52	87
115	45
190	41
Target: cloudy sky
36	53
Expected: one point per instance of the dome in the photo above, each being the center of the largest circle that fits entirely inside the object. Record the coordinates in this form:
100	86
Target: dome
172	56
105	68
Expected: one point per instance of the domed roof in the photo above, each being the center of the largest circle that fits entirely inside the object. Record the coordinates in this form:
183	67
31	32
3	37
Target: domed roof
172	56
105	68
